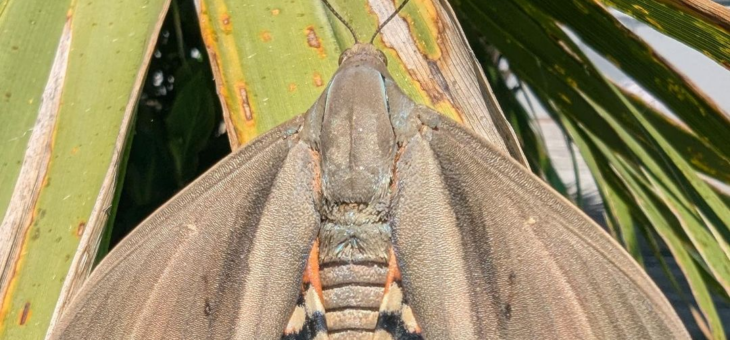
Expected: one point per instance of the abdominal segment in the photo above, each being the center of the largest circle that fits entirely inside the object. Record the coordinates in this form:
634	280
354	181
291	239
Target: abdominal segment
351	287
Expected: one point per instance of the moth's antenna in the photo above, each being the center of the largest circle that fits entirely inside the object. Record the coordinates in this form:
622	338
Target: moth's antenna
388	20
341	19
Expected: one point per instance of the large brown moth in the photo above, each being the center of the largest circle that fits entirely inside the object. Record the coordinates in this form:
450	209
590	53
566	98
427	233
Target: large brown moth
369	217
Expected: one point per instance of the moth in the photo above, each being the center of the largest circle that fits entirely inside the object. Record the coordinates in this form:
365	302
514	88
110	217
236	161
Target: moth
369	217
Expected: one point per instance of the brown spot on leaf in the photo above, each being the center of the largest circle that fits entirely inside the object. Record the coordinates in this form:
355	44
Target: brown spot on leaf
317	78
245	103
265	36
226	22
438	76
437	89
292	87
25	314
275	11
8	95
80	228
14	48
314	41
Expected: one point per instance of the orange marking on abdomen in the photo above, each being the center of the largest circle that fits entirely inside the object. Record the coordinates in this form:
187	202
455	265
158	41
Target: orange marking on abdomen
393	271
311	272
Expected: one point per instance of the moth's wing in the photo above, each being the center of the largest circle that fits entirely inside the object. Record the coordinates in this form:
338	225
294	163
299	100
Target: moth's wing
223	259
488	251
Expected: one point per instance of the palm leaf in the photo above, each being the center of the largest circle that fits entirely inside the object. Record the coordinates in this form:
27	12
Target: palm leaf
71	72
650	169
272	59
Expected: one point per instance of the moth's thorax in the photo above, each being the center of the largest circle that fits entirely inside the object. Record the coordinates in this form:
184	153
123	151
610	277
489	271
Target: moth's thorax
357	142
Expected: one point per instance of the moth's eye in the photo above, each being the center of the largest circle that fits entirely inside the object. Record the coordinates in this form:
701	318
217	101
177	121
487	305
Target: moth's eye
382	57
345	54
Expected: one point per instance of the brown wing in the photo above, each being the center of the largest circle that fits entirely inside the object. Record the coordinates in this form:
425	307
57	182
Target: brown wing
221	260
488	251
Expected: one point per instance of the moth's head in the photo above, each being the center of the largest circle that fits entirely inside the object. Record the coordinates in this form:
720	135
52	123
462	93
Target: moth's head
363	53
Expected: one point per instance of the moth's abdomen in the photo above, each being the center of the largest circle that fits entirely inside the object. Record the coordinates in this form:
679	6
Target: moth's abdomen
352	295
353	260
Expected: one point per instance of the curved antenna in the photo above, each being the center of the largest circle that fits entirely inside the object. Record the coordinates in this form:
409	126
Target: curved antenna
388	20
341	19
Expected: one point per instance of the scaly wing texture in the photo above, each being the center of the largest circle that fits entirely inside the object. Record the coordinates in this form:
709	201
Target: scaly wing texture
221	260
488	251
